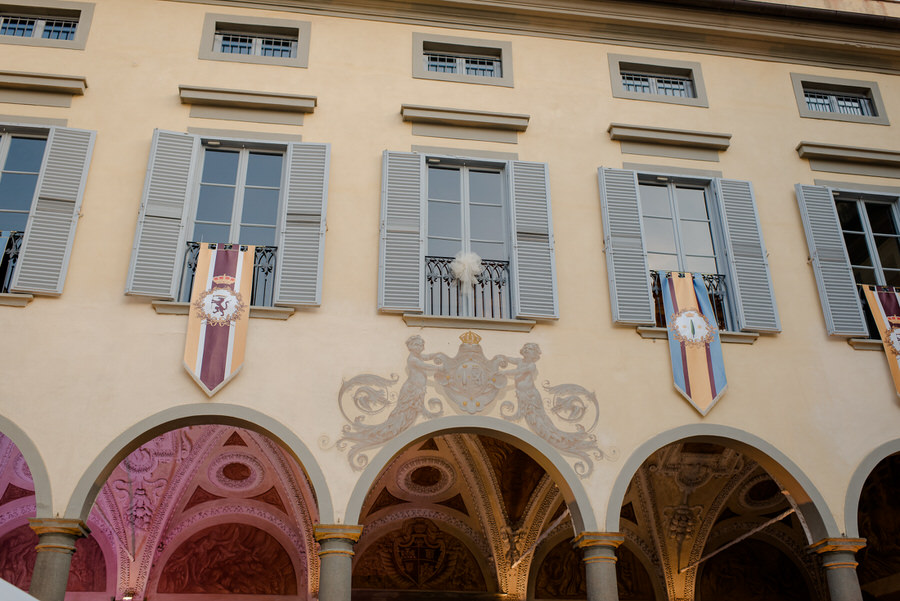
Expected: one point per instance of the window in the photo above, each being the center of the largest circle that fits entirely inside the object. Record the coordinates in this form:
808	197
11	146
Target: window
839	99
854	240
433	207
462	60
657	80
268	194
52	23
255	40
662	222
37	223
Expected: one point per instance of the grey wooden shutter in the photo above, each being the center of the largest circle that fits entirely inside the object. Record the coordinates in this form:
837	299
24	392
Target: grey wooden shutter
47	244
159	242
626	256
831	266
402	259
749	281
301	242
534	263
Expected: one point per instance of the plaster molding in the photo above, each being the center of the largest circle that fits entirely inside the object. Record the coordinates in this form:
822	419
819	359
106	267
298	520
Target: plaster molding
464	117
10	299
338	531
75	528
837	545
73	85
247	99
177	308
418	320
848	154
672	137
654	333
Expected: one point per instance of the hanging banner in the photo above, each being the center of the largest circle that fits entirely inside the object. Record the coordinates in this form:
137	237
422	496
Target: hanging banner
217	323
694	345
884	303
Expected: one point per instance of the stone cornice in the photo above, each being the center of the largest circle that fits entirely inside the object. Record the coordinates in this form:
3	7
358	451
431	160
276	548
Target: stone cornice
246	99
832	545
848	154
763	30
74	85
672	137
464	117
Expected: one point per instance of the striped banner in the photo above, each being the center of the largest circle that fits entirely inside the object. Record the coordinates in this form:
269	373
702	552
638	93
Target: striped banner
884	303
217	325
694	345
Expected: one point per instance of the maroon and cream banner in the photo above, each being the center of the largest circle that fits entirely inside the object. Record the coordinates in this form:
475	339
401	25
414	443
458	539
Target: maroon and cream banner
217	325
884	303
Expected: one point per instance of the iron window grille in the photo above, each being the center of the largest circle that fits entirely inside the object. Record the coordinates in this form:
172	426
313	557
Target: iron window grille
24	26
481	66
664	85
718	298
255	44
263	290
488	297
842	103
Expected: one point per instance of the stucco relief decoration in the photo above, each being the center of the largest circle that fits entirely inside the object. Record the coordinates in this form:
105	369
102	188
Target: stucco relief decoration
471	383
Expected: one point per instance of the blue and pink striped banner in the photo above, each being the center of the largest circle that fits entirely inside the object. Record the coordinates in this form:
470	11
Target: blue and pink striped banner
884	303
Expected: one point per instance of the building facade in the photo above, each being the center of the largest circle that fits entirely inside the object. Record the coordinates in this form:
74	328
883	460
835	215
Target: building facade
454	378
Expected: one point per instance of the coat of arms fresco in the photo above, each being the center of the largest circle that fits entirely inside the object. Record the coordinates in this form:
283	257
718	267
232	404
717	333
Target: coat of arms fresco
468	383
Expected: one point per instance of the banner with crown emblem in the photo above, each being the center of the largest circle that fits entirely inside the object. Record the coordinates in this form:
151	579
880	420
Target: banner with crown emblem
884	303
694	346
217	322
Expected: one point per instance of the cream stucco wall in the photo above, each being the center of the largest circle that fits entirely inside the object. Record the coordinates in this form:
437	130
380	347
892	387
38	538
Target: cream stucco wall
81	369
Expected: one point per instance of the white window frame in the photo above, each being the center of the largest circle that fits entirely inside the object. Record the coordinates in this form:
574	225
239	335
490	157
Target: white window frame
214	25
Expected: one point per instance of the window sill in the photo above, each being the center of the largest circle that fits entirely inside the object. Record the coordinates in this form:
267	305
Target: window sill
468	323
730	337
9	299
173	308
866	344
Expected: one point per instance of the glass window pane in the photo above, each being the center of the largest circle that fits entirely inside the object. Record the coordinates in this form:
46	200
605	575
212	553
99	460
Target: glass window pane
17	190
485	187
443	248
25	154
486	223
857	249
264	169
444	219
491	251
864	276
659	235
211	232
881	218
696	238
660	262
258	235
13	222
220	166
848	213
888	251
655	201
700	264
215	203
443	183
892	277
691	203
260	206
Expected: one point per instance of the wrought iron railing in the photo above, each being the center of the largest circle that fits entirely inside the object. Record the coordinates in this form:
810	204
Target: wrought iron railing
9	258
263	291
718	298
488	297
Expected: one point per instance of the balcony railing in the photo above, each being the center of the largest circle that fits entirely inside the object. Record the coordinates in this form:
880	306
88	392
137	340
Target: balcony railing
9	258
489	296
263	291
718	298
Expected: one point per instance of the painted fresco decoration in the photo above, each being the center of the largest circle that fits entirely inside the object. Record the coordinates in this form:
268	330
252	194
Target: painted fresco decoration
884	303
471	382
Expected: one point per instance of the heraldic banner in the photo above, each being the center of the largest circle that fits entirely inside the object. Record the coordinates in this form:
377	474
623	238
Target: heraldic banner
217	325
884	303
694	345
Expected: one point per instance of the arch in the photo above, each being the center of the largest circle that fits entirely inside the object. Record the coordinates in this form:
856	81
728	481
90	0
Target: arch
43	498
809	501
858	480
191	415
540	450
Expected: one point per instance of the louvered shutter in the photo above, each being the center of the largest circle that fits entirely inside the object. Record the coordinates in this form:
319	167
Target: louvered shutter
831	266
47	243
159	243
534	263
402	259
749	281
626	257
301	243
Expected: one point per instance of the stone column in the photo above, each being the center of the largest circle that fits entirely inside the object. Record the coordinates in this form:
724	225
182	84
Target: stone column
56	544
839	562
336	560
599	556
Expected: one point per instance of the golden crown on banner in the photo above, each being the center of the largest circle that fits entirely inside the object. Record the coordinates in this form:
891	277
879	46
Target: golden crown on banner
224	280
894	320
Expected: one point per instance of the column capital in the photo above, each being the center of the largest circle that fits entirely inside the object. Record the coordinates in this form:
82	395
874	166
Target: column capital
598	539
347	532
74	528
837	545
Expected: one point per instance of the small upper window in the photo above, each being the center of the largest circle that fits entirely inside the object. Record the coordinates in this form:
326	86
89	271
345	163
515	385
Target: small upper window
36	27
462	60
839	99
658	80
51	23
255	40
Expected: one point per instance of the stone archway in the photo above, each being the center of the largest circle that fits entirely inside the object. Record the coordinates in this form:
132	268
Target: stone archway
878	523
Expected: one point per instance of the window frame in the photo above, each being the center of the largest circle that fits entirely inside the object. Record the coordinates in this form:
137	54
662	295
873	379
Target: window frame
423	43
657	67
6	136
803	83
214	24
81	12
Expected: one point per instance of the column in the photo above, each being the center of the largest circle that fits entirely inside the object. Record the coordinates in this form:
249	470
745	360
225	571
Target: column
599	556
839	562
56	544
336	560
